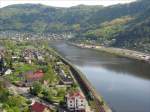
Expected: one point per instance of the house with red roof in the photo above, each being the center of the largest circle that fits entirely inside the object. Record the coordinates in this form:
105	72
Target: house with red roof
39	107
35	75
76	101
31	76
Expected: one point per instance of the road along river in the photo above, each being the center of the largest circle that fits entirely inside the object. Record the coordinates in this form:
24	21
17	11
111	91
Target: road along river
123	83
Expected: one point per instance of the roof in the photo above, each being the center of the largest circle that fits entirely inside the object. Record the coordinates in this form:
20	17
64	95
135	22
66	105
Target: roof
35	75
38	107
73	95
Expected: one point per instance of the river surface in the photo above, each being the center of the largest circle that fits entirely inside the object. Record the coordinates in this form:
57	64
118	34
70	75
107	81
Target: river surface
123	83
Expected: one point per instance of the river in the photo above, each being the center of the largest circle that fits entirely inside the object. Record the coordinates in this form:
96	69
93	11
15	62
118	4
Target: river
124	83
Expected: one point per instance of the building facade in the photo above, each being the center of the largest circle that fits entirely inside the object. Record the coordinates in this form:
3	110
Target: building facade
76	102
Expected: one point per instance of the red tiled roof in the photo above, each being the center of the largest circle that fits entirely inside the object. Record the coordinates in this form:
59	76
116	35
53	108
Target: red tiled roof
38	107
72	95
36	75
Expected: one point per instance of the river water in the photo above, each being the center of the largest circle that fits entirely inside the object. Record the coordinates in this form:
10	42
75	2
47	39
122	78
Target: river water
123	83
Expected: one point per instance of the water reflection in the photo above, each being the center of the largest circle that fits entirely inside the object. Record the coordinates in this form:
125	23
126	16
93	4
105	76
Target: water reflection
82	57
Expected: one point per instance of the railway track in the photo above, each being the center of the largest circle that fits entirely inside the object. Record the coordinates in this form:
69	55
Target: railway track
85	86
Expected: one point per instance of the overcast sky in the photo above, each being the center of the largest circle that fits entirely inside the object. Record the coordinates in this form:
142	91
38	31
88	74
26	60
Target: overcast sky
64	3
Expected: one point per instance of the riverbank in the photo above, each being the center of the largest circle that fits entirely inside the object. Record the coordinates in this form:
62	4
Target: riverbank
118	51
88	90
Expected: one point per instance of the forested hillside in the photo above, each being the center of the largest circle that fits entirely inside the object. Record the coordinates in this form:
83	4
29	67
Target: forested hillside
40	18
126	25
137	35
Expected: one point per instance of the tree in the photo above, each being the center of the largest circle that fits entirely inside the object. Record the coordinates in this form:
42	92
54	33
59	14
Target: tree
36	88
47	94
61	92
4	93
50	75
76	27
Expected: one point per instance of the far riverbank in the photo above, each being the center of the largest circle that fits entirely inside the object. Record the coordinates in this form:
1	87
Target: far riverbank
118	51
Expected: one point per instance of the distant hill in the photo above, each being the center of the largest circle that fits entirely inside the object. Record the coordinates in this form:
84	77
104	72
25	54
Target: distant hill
137	35
40	18
126	25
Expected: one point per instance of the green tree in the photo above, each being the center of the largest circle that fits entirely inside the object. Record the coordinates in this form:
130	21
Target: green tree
47	94
50	75
36	88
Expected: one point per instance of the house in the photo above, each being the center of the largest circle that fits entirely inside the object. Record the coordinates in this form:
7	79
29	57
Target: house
31	54
65	79
59	63
28	55
14	58
34	75
28	59
31	77
76	102
8	71
39	107
39	56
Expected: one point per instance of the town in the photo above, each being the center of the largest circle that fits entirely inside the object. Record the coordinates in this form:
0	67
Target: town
34	79
34	36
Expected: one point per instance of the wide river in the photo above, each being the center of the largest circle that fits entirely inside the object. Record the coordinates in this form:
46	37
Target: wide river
123	83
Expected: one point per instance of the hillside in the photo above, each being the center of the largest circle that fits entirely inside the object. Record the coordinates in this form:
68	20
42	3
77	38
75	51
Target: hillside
119	25
40	18
137	35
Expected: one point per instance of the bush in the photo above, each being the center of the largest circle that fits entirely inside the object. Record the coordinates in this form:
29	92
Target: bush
36	88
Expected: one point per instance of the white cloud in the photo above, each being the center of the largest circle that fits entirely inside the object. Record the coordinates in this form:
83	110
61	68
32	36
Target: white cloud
64	3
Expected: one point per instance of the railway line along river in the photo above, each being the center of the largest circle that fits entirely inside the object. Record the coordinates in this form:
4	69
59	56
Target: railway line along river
124	83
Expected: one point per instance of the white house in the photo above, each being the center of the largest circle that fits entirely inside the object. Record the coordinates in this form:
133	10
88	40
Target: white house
28	60
7	72
76	101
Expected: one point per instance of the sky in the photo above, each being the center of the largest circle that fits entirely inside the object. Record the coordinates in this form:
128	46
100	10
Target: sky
64	3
